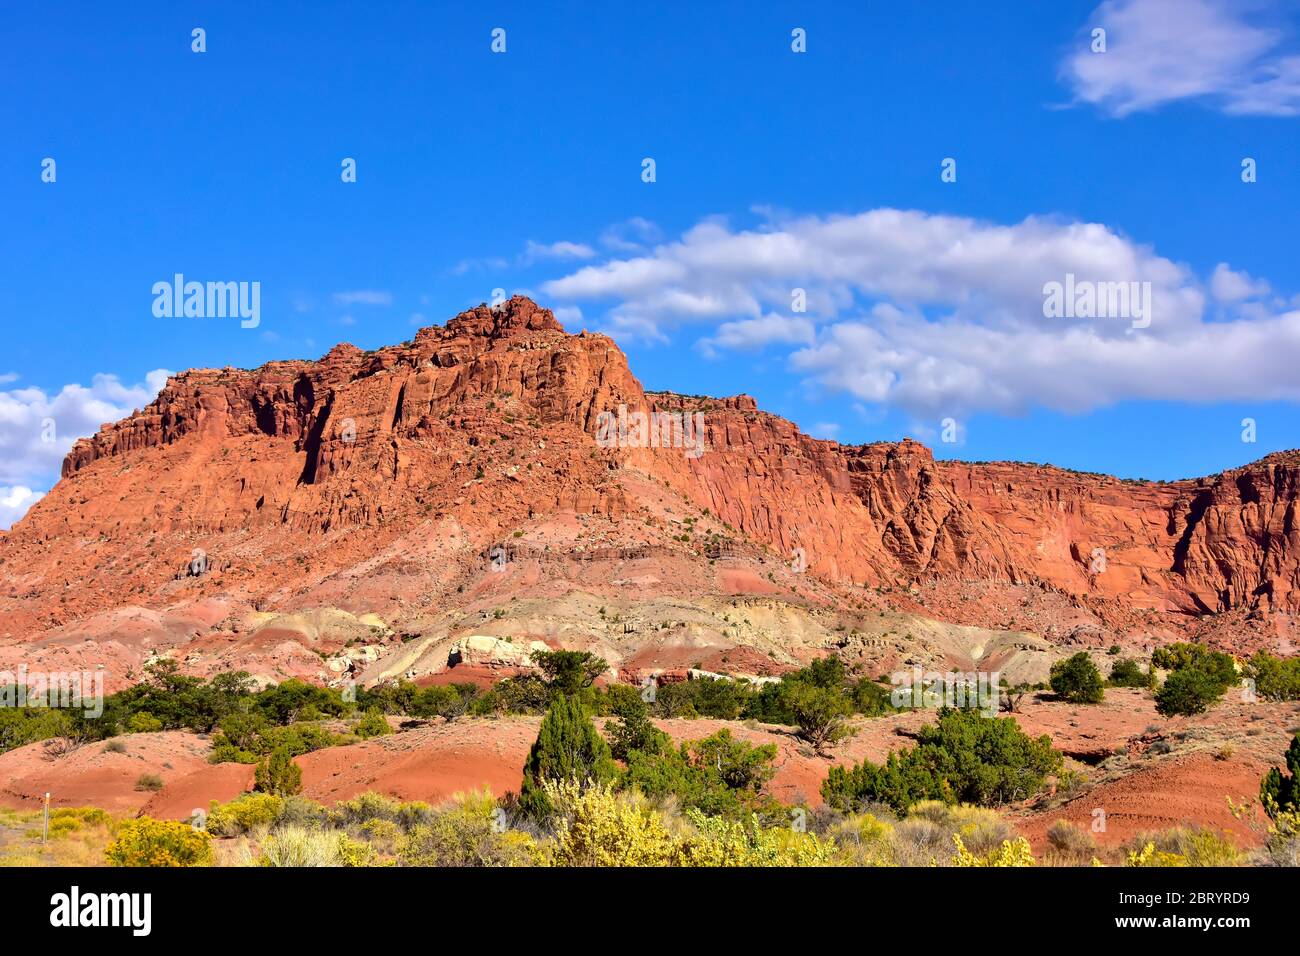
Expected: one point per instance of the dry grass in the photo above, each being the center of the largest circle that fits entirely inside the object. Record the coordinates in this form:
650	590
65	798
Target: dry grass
78	837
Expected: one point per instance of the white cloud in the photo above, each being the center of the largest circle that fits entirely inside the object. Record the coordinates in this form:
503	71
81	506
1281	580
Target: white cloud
829	430
534	251
952	367
37	429
753	334
1227	285
14	502
944	315
363	297
631	235
1162	51
569	316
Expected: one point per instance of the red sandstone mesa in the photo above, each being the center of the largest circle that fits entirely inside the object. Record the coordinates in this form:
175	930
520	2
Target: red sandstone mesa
377	481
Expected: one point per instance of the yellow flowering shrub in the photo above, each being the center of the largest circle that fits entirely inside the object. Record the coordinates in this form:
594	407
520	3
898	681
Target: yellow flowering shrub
1015	852
721	842
149	842
1150	856
470	832
601	828
243	814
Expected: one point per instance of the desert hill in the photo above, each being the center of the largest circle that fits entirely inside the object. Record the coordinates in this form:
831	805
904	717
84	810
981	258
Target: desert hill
359	515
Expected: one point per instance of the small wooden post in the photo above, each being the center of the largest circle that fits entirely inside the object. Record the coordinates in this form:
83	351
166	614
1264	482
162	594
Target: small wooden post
45	837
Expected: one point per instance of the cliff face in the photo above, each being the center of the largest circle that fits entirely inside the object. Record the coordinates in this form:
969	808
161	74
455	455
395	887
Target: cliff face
491	420
889	513
349	439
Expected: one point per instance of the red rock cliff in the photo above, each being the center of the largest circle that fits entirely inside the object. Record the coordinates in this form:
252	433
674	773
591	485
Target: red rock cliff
364	439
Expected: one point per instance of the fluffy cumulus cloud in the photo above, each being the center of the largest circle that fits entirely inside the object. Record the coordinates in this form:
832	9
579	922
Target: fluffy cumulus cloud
37	428
751	334
946	315
1238	56
1227	285
14	502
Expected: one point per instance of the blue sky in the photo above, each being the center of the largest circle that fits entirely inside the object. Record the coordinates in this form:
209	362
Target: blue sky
775	170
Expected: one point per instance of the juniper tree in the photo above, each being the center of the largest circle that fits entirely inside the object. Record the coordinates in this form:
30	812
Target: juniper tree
1280	791
568	748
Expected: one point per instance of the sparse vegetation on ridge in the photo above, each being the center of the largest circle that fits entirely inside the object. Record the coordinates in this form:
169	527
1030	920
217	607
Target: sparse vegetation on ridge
963	758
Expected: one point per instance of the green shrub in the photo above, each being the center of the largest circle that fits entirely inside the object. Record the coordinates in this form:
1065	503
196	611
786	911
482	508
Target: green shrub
1077	680
568	673
718	698
248	737
1176	656
1279	791
448	701
1126	673
568	747
1198	678
1189	690
149	781
149	842
170	700
369	806
1275	678
525	694
634	730
818	712
772	702
795	700
249	812
870	699
677	700
963	758
719	775
1182	656
143	723
20	726
278	775
238	737
372	724
295	700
